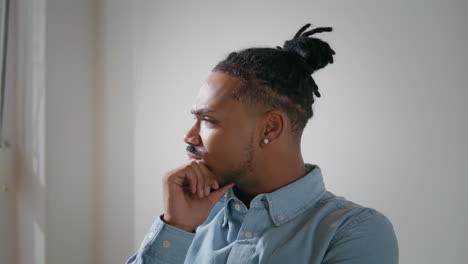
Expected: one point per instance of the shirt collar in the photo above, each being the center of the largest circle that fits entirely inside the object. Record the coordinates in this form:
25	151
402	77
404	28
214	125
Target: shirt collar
290	200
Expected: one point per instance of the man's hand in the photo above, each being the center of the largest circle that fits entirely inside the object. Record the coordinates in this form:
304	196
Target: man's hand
188	195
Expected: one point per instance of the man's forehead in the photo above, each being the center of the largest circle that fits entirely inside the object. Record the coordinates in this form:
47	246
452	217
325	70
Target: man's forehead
202	110
216	93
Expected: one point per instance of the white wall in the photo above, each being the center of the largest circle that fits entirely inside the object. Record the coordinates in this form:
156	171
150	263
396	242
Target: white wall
70	145
114	212
389	130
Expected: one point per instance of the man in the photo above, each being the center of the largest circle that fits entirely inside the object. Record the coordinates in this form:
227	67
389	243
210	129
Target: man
247	196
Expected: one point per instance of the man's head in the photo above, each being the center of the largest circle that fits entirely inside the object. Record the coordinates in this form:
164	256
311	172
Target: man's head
252	95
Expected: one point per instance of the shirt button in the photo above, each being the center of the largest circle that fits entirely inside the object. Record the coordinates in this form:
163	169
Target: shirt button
150	235
166	244
237	207
248	234
280	217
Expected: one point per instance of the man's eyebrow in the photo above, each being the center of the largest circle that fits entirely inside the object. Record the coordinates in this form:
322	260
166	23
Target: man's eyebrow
201	111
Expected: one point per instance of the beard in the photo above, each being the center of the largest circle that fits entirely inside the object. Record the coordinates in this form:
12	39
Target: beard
243	170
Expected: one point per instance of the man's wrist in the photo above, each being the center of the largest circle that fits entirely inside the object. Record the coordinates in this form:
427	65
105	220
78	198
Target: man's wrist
180	226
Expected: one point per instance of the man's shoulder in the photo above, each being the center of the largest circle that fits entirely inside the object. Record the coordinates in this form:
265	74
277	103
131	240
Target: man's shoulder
342	206
351	217
359	230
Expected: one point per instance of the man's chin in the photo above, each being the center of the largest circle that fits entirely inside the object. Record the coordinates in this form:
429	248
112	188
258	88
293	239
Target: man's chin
204	162
228	178
222	178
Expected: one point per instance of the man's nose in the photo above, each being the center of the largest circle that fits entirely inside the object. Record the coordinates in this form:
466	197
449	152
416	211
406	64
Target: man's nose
192	137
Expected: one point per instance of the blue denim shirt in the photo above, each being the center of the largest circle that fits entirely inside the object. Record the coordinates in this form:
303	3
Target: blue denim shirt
298	223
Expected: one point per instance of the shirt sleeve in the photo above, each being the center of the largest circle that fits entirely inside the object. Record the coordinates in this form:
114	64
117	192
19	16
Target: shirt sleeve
163	244
367	238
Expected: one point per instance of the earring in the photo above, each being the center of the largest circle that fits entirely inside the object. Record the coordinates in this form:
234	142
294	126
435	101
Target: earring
266	140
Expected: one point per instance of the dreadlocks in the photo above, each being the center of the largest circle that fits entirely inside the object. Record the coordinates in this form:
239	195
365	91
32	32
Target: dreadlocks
280	78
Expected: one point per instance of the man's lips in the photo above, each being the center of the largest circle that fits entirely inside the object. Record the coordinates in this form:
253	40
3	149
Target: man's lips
193	156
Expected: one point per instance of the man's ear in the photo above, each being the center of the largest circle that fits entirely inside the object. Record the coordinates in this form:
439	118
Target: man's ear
273	126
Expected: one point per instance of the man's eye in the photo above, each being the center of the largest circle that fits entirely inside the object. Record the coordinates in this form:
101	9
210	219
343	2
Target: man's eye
207	120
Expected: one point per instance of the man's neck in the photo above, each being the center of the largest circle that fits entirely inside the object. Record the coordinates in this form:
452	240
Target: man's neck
275	177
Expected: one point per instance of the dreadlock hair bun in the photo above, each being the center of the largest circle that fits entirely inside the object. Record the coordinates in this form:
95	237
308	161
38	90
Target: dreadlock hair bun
315	53
281	77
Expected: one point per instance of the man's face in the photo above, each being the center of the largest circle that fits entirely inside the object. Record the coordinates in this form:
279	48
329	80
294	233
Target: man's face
223	134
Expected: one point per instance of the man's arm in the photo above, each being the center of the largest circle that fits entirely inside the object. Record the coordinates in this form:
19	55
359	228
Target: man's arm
368	238
189	194
163	244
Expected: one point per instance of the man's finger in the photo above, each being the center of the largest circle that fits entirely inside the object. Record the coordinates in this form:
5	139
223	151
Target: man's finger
192	179
200	177
206	177
216	195
210	175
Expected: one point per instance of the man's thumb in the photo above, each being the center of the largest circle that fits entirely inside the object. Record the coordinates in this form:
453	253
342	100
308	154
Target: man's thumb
216	195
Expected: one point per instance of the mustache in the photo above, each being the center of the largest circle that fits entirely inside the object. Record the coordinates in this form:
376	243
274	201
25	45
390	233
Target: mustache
193	150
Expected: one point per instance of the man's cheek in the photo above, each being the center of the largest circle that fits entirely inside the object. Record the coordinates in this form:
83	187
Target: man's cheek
206	138
212	143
